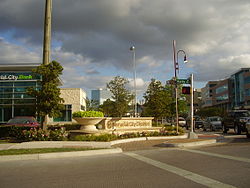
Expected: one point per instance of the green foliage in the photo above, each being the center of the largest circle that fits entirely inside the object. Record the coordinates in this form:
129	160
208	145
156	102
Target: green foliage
67	127
160	101
35	134
122	97
88	114
92	105
211	111
97	138
48	97
108	107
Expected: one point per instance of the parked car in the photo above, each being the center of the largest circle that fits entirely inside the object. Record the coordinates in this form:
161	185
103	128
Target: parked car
23	121
248	128
236	120
182	121
212	123
198	122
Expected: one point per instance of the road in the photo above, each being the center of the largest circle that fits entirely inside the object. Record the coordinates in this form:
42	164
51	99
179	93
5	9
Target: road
221	165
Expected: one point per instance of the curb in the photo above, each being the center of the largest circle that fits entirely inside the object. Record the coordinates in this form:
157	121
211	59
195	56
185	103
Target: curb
57	155
147	138
191	144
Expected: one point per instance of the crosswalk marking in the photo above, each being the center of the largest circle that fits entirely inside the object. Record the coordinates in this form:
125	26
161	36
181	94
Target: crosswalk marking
219	155
181	172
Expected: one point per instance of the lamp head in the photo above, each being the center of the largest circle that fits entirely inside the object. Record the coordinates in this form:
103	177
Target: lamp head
185	59
132	48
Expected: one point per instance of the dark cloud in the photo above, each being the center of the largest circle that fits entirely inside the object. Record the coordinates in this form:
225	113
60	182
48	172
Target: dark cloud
102	31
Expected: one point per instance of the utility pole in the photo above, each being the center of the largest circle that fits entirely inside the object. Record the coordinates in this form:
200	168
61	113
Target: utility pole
46	44
47	32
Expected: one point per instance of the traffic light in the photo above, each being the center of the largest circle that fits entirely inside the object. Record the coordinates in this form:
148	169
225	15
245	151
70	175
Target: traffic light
186	90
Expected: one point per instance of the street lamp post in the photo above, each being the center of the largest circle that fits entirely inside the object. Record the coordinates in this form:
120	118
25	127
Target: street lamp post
176	67
132	48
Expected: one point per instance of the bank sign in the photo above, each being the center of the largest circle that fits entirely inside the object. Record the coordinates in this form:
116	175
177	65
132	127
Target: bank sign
15	77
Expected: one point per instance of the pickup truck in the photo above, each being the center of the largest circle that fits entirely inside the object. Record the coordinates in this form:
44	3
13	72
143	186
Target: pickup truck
236	120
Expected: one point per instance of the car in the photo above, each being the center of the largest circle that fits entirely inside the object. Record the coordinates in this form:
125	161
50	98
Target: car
248	128
23	121
198	122
182	121
236	120
212	123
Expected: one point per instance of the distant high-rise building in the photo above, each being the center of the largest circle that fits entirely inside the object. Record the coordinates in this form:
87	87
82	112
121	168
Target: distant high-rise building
100	95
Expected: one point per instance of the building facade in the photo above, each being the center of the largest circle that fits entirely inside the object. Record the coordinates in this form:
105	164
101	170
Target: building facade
14	82
230	93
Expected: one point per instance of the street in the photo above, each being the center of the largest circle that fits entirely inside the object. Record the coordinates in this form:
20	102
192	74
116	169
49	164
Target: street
220	165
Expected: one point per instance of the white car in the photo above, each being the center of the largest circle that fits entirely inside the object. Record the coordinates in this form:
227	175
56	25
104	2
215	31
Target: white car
182	122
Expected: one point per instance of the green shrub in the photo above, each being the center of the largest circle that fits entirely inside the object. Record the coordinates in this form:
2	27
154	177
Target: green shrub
88	114
67	127
100	138
35	134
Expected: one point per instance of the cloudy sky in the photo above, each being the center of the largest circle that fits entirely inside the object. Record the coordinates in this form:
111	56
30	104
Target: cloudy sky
91	38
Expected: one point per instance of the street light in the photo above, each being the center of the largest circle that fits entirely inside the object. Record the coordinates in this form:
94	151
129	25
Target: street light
132	48
176	67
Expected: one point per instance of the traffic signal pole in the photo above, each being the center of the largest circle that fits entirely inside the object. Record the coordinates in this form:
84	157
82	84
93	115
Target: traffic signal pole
191	134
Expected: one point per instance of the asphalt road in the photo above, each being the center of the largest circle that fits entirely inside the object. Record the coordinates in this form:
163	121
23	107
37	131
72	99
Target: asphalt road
221	165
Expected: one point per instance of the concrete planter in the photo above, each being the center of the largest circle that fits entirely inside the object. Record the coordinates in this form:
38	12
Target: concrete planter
88	123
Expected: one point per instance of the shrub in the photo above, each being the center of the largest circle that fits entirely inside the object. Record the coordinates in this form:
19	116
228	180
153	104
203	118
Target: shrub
35	134
88	114
100	138
67	127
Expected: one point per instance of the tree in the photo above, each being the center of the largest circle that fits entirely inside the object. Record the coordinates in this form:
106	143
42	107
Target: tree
122	97
157	100
92	105
108	108
48	100
160	101
211	111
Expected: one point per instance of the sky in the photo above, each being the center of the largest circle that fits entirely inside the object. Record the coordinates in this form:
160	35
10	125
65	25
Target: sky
91	38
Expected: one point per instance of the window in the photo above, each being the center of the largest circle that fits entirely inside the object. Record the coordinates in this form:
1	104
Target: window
221	89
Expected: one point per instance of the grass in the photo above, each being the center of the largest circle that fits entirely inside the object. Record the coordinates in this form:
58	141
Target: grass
42	150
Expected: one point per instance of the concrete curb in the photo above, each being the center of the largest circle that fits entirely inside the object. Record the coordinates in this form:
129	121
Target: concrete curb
191	144
147	138
59	144
57	155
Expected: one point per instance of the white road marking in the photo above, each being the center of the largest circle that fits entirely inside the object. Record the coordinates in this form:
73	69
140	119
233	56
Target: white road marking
219	155
181	172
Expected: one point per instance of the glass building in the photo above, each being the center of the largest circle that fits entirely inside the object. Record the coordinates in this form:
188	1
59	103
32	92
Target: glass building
15	79
14	82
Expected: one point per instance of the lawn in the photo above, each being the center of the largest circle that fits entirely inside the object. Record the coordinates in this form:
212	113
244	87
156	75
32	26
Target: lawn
42	150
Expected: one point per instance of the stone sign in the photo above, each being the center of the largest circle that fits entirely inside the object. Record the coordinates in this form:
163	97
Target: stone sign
126	123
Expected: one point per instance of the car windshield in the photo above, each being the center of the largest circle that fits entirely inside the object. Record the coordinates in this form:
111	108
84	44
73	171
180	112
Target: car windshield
19	121
245	114
215	119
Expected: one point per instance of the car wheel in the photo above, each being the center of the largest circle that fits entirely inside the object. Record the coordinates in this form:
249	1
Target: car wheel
224	129
248	135
211	128
237	129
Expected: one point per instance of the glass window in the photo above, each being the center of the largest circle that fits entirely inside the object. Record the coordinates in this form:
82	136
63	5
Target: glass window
6	84
20	89
5	101
27	84
9	95
24	101
6	89
221	89
66	114
247	80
